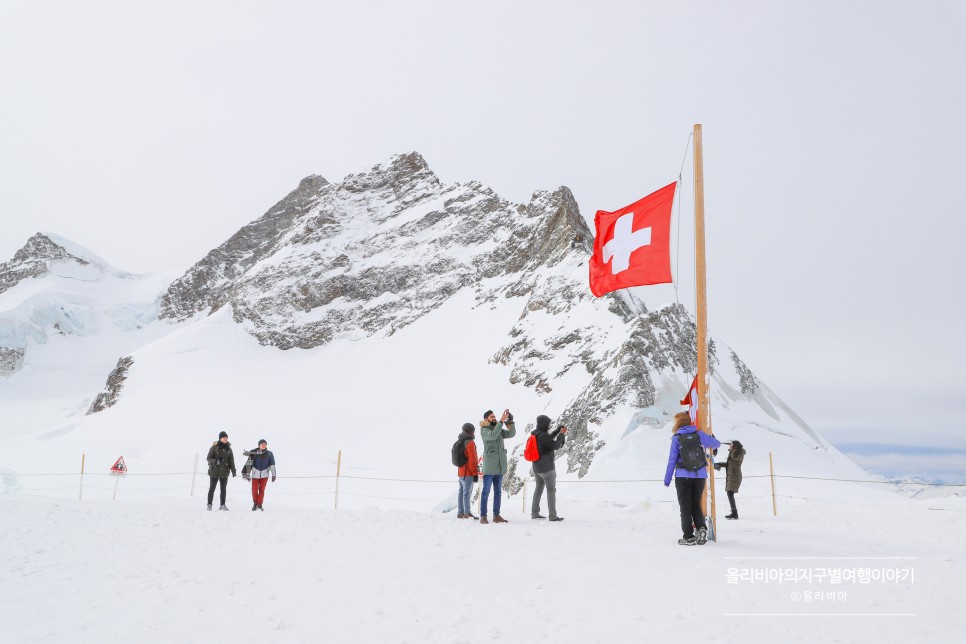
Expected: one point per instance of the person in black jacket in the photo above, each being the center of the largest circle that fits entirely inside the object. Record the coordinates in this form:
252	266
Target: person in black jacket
221	461
544	470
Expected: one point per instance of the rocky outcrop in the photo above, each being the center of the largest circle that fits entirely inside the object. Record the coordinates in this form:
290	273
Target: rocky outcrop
33	260
115	382
11	359
208	284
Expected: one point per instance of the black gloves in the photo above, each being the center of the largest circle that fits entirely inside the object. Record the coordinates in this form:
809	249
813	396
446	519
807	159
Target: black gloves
476	479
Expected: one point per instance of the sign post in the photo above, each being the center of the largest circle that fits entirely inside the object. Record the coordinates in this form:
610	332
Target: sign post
118	470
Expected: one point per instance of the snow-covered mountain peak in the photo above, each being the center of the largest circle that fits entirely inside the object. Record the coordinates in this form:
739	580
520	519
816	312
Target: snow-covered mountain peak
38	256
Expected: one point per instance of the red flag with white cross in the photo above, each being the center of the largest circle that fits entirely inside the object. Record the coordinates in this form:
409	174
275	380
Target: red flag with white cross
633	244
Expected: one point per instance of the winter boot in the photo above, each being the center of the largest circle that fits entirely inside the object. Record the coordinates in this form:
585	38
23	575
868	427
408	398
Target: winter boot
254	506
460	516
209	507
483	520
688	541
224	507
556	518
260	508
470	515
498	519
538	516
733	515
702	536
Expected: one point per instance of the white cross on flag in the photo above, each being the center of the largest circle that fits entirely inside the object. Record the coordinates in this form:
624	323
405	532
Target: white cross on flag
633	244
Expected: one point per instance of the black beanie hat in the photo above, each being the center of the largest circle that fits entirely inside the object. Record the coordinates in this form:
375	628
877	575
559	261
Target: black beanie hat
543	423
262	440
223	434
469	428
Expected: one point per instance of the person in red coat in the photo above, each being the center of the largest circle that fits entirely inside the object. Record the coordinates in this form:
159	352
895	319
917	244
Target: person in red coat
469	473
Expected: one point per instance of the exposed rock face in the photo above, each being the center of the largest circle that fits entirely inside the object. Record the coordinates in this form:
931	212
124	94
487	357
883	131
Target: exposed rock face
115	382
33	260
11	358
748	381
381	249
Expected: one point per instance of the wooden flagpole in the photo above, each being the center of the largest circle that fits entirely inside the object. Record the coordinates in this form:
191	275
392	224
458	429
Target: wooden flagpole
701	295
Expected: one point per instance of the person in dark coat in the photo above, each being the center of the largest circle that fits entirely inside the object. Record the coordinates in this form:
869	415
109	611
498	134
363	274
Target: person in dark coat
689	483
221	461
544	469
736	454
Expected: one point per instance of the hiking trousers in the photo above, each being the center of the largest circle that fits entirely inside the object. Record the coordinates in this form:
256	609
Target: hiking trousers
548	480
689	500
258	490
496	480
211	488
463	498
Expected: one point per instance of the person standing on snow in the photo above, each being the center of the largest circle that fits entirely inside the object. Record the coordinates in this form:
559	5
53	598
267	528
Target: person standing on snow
688	463
260	465
221	461
544	469
468	474
736	454
494	460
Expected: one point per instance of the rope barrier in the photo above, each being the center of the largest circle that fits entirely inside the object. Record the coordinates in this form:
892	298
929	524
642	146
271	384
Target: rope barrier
450	481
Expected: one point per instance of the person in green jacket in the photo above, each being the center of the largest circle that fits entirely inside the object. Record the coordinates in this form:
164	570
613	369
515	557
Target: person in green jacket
494	460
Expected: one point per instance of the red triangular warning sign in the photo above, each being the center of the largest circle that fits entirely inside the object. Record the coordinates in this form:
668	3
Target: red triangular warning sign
119	467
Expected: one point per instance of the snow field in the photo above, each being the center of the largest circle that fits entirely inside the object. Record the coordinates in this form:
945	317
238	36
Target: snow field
164	571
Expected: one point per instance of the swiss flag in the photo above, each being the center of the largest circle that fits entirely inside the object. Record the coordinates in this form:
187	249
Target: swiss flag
633	244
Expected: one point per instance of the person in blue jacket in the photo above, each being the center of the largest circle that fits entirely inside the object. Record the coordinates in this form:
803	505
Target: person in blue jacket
688	463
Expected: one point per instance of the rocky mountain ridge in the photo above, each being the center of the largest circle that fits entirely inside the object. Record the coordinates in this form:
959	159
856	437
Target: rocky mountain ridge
379	250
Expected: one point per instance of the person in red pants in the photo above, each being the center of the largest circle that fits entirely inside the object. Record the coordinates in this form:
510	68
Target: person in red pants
260	466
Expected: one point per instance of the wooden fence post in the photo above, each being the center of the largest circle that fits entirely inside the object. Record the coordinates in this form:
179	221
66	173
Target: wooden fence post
338	473
80	495
771	466
194	475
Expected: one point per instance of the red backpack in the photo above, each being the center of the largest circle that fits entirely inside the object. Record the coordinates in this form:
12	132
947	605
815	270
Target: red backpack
530	452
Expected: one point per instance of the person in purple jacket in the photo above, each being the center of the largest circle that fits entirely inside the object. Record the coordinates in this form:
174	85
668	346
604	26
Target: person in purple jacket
688	463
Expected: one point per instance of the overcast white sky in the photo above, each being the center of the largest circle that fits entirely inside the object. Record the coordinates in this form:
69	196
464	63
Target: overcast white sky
151	131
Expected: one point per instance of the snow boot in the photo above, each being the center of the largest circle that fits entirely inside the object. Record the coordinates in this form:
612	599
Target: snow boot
460	516
483	520
556	518
702	536
538	516
260	508
498	519
224	507
470	515
733	515
689	541
209	507
254	506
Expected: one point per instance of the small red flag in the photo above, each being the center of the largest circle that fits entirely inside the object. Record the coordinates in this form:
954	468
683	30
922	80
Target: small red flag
633	244
691	401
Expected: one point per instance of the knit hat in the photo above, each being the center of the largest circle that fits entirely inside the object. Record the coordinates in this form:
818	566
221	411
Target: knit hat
262	441
543	423
469	428
223	434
